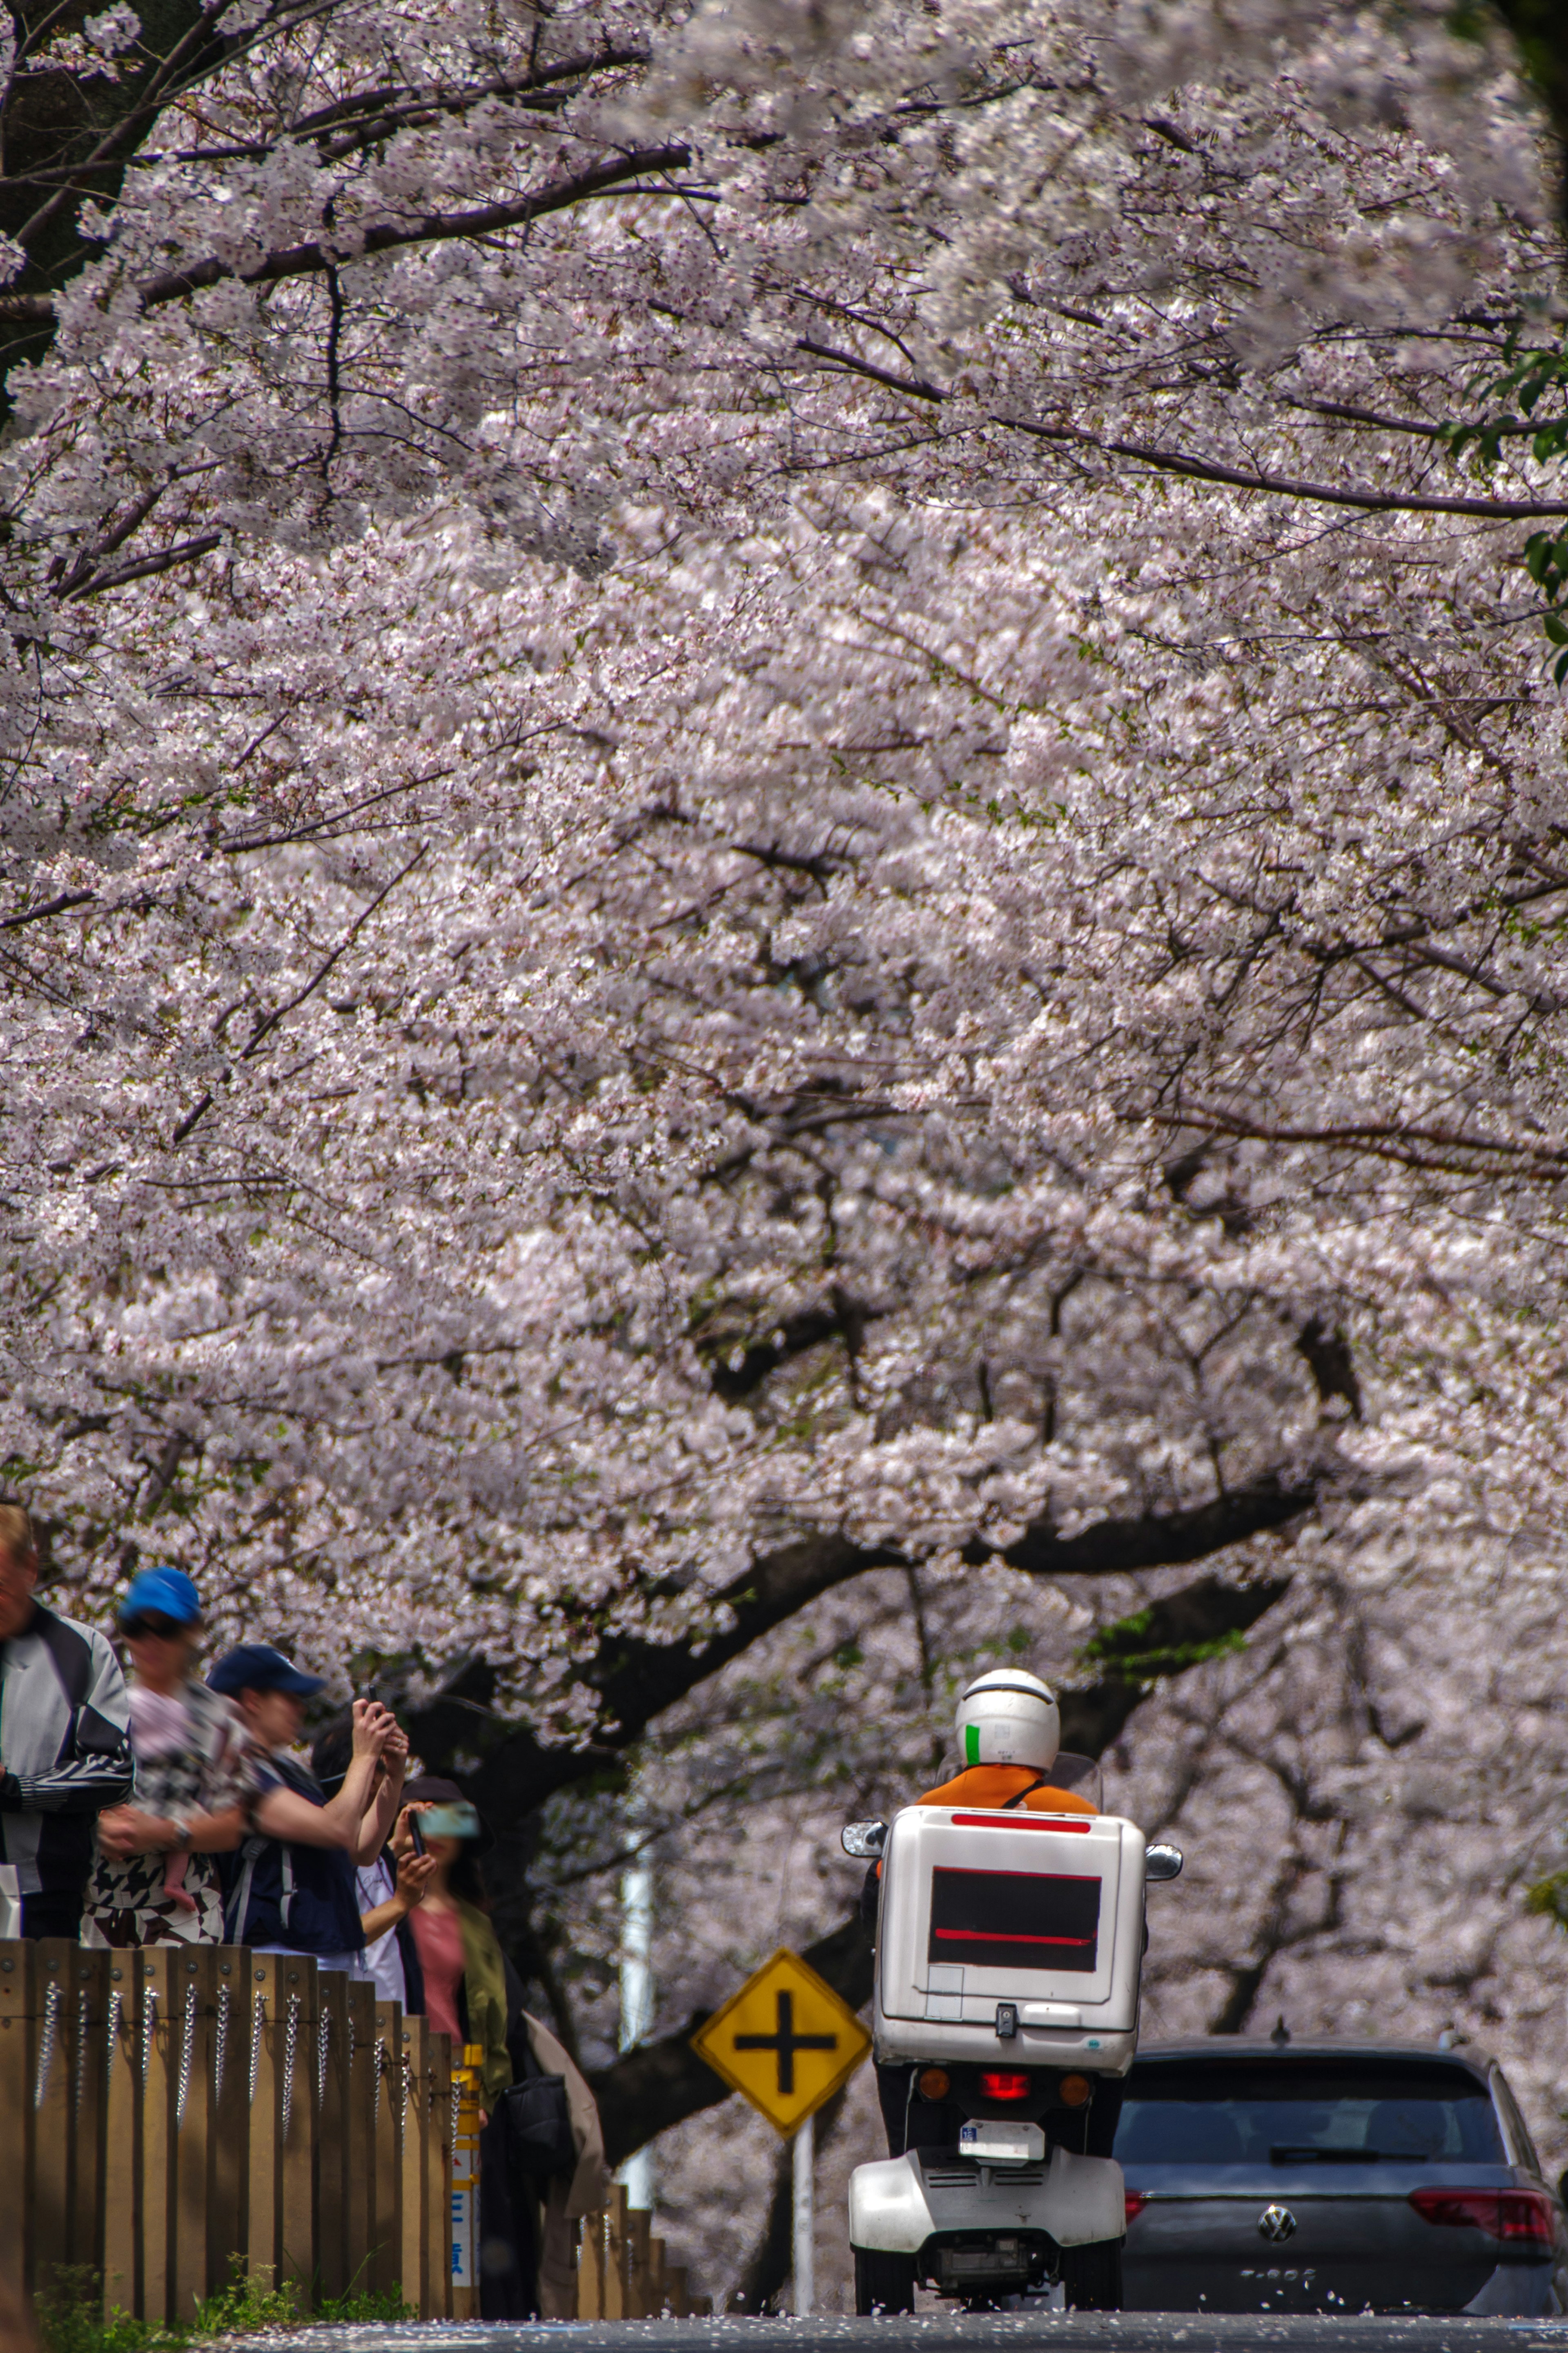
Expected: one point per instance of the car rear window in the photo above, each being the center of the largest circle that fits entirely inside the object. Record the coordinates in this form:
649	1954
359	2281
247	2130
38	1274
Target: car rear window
1262	2112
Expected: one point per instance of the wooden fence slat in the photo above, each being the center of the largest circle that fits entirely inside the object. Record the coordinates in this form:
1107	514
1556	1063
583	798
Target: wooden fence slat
230	2113
89	2064
616	2256
357	2085
439	2055
591	2267
638	2226
193	1977
296	2037
155	2069
388	2262
17	2108
122	2100
49	2102
263	2230
410	2094
330	2108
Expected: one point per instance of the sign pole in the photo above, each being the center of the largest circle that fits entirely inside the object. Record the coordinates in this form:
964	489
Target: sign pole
805	2217
636	2003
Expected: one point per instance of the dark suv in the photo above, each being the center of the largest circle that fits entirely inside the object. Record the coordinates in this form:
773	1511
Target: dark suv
1333	2177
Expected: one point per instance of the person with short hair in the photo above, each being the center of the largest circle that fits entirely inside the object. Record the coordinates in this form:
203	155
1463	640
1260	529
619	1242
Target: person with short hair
291	1888
65	1750
156	1879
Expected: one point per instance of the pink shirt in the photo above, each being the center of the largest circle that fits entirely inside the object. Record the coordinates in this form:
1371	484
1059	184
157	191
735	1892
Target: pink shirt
439	1938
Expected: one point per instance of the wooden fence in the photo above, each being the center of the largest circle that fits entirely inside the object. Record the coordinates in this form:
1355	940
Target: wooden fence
621	2274
179	2115
175	2111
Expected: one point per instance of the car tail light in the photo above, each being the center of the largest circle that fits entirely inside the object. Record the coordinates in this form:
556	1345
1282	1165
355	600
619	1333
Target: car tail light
1000	2086
1073	2091
1136	2201
935	2083
1515	2216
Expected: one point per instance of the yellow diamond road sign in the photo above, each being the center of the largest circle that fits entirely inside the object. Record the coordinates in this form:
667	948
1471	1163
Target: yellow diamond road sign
786	2040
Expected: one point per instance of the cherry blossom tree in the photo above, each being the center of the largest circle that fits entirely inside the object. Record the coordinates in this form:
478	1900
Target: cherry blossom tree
779	818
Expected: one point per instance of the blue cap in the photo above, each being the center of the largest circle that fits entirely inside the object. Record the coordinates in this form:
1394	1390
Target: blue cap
169	1591
256	1666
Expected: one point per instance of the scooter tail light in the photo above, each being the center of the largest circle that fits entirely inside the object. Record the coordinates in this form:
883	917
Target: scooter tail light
1001	2084
1136	2201
1517	2217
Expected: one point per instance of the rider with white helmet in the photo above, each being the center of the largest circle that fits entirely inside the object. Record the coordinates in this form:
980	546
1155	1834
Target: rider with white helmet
1009	1731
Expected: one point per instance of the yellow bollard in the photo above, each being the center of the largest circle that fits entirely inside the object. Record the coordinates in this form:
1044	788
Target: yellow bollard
467	2087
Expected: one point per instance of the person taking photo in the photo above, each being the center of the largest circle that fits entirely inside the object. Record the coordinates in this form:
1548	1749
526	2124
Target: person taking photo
291	1888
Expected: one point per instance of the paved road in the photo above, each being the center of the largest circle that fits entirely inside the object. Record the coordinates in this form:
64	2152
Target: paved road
1051	2332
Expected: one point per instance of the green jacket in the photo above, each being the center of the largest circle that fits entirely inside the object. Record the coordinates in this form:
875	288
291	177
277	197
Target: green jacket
484	1992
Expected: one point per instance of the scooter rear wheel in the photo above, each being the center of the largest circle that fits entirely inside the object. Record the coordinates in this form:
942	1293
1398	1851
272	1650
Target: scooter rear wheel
1091	2277
883	2283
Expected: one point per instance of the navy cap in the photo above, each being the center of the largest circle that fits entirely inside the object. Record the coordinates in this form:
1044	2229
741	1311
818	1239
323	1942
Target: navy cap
167	1591
256	1666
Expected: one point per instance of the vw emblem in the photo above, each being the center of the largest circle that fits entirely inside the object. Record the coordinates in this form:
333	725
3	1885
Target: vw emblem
1275	2222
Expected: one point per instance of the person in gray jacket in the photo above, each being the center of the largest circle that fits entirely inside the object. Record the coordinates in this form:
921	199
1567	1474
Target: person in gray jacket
65	1747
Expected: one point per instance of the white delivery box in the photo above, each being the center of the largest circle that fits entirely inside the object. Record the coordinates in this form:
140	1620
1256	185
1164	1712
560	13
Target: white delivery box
1010	1937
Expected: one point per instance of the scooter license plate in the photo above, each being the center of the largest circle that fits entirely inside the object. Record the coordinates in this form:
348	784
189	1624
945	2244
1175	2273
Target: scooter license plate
990	2141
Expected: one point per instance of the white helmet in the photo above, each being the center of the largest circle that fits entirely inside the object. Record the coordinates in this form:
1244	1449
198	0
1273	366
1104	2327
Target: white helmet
1008	1717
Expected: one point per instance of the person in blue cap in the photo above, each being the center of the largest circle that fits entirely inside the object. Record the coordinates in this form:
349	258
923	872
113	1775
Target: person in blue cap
155	1877
292	1887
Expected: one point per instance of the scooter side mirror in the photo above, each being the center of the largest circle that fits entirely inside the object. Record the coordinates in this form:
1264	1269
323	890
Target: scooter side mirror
1163	1861
865	1840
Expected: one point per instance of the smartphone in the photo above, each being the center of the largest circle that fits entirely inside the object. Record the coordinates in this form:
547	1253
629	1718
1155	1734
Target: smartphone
460	1821
415	1833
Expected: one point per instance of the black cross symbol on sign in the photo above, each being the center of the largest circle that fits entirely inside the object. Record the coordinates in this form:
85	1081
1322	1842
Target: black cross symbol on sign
787	2043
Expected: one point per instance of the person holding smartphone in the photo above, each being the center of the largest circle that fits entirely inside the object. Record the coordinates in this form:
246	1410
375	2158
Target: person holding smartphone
291	1888
459	1958
386	1889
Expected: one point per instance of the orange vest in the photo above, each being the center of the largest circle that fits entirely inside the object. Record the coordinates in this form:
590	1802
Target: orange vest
989	1785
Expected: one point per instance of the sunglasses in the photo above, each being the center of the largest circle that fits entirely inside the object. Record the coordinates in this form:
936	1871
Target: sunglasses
160	1628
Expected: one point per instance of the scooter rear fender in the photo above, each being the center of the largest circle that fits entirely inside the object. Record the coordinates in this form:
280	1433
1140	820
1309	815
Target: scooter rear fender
899	2204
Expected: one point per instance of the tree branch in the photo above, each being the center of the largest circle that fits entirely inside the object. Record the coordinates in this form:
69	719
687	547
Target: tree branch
1209	469
636	1679
49	907
381	237
187	551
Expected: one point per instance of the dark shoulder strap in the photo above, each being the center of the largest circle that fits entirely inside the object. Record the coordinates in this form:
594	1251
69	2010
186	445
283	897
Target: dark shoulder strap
300	1778
71	1653
1039	1782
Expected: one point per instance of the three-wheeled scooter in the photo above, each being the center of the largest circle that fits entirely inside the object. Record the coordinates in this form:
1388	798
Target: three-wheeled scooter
1009	1946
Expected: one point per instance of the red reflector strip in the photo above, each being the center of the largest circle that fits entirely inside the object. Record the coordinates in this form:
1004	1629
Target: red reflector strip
995	1936
1022	1821
1136	2201
1516	2215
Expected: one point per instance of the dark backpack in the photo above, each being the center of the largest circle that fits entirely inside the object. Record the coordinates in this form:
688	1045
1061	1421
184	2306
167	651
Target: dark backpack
538	2117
